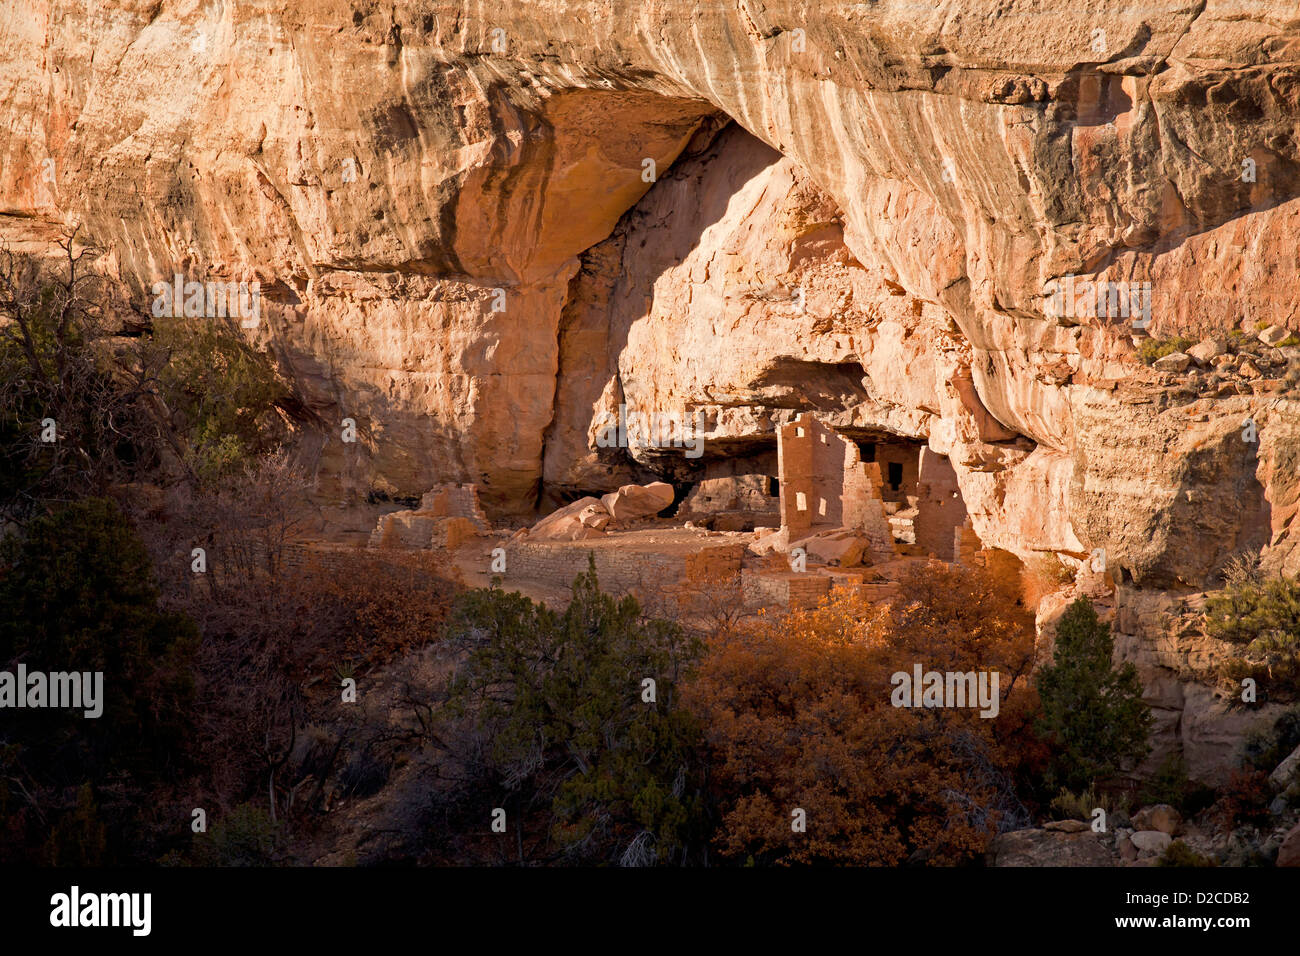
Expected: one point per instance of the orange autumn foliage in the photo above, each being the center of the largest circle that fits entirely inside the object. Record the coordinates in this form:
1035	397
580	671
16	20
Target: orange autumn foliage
797	714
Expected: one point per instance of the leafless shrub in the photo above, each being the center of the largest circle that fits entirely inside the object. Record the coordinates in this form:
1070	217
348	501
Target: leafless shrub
1241	568
65	369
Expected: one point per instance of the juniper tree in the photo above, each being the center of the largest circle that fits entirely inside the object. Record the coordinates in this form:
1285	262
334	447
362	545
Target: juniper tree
1261	616
563	730
1093	714
79	596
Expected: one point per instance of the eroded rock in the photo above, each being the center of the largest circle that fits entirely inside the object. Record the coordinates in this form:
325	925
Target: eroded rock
1151	842
638	501
1160	817
1035	847
567	523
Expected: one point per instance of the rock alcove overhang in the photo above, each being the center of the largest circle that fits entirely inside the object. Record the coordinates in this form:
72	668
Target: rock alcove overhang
1179	551
654	271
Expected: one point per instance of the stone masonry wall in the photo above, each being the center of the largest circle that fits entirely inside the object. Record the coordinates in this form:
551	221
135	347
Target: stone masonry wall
618	569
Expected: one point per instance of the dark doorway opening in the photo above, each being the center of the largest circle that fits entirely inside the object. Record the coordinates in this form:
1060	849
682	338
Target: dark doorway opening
895	475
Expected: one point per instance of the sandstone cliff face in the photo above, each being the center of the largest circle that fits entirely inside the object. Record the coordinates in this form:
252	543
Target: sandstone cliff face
478	229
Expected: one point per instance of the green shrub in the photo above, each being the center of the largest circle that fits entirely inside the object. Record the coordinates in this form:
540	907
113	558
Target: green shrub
1170	785
78	595
559	731
1093	715
79	838
1262	617
61	368
225	393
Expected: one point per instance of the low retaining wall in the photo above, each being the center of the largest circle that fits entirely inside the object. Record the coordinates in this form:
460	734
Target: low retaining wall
619	568
784	589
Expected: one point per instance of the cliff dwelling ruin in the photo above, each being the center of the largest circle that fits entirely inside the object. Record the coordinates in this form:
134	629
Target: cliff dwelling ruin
837	512
894	489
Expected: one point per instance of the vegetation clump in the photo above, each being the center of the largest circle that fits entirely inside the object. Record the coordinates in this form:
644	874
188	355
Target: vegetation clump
572	725
1092	708
1260	616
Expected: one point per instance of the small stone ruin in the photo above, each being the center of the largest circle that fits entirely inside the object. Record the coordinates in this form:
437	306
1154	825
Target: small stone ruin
448	516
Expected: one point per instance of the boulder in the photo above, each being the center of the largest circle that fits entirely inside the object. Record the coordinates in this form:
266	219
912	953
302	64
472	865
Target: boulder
1160	817
1287	772
566	524
769	540
1207	350
838	549
594	516
638	501
1273	335
1066	826
1124	844
1173	362
1151	842
1211	730
1050	848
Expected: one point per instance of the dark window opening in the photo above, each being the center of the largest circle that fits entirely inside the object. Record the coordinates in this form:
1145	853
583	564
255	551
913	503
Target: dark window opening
895	475
868	450
773	488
